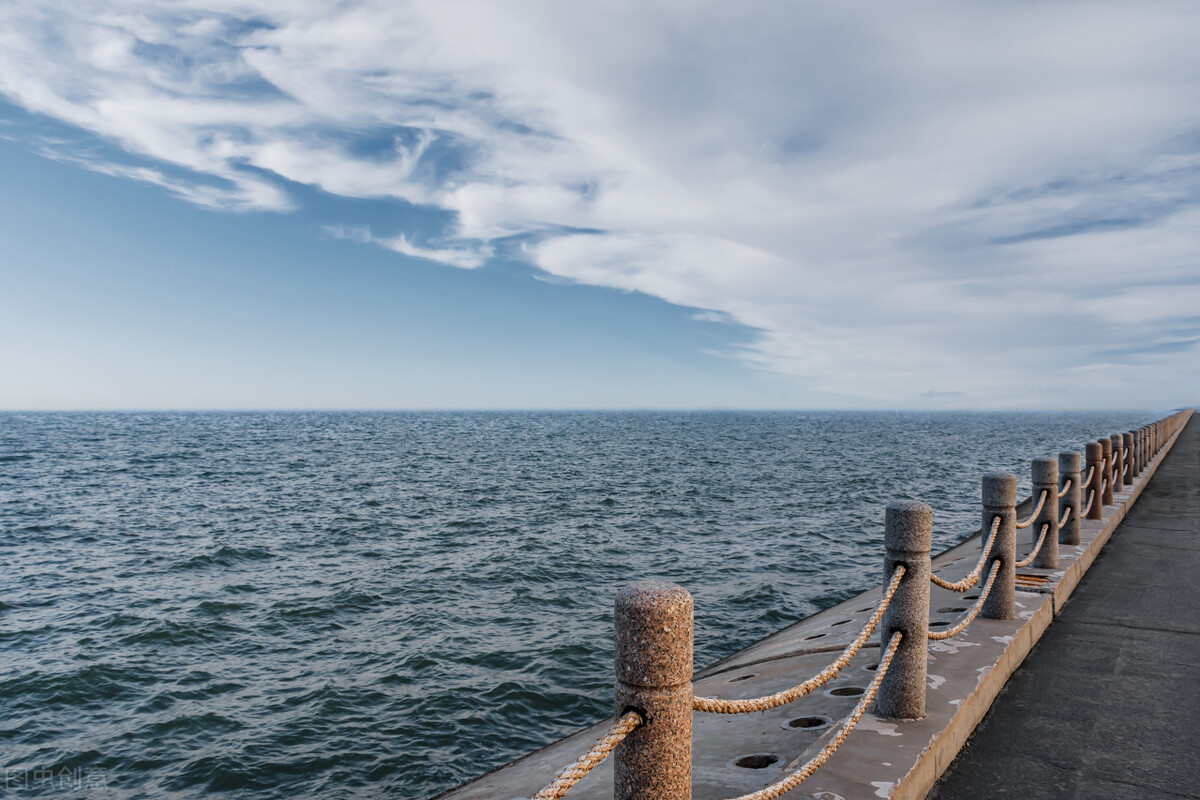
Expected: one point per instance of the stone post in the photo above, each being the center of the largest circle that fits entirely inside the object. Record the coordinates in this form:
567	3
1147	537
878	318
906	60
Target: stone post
1095	458
907	537
1137	454
1069	470
1045	479
653	655
1129	460
1118	461
1000	499
1107	498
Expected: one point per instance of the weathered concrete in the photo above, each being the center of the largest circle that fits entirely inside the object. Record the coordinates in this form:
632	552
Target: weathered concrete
907	540
653	664
881	758
1044	472
1106	705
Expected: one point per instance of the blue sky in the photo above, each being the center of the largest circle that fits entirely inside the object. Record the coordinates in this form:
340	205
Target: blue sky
268	204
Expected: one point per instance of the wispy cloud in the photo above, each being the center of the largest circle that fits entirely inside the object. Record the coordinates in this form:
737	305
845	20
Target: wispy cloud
971	202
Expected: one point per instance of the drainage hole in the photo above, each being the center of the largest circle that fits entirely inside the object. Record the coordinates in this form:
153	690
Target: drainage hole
814	636
840	622
868	608
970	597
742	677
950	610
847	691
939	624
808	722
756	761
871	667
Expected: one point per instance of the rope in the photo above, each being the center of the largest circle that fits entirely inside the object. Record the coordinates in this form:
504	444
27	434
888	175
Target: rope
973	578
805	772
975	609
1088	507
717	706
1090	475
1041	539
1036	511
1066	516
583	765
1066	488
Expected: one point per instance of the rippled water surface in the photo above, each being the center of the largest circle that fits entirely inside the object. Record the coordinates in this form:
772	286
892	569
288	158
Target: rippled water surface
385	605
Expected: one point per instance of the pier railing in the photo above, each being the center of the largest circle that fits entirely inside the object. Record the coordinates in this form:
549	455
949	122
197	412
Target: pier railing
654	701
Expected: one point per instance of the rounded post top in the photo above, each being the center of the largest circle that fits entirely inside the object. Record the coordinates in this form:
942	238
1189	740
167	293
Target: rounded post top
999	489
1106	444
1069	461
1118	440
1095	451
1128	437
1044	470
908	526
653	621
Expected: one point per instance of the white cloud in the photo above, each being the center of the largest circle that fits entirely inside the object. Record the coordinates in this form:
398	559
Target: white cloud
975	200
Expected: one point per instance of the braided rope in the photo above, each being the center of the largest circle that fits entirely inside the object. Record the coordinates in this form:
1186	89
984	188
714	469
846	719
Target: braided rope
1066	516
1088	507
717	706
1066	488
1088	480
584	764
975	609
1025	562
973	578
781	787
1036	511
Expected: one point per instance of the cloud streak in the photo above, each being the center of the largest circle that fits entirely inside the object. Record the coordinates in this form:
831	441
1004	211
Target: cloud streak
970	204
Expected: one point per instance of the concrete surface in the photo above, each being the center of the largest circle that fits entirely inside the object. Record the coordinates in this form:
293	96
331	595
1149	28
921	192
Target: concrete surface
1107	704
738	754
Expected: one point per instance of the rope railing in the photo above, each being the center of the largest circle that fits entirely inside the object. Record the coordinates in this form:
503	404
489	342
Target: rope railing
718	706
595	754
1041	502
1025	562
974	612
654	622
973	578
781	787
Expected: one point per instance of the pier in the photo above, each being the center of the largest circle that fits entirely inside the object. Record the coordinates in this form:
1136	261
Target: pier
877	695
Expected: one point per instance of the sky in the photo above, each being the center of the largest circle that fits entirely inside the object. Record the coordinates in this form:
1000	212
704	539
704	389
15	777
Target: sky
485	204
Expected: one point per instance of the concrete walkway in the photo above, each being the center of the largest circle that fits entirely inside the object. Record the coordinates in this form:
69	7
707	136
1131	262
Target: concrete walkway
1107	705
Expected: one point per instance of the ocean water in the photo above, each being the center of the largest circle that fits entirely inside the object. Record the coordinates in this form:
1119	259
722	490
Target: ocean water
260	605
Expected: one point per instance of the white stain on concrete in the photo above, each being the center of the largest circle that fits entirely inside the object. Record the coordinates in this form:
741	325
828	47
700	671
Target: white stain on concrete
870	722
1002	639
883	788
951	645
935	681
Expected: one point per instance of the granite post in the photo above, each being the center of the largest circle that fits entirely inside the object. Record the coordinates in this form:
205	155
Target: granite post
1095	463
1127	474
908	538
1069	470
1107	497
1044	472
653	655
1000	500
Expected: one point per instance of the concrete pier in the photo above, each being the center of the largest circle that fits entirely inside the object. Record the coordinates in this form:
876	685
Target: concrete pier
902	758
1106	705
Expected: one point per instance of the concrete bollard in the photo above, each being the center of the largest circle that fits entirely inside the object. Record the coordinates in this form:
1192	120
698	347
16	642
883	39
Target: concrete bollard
1000	499
1107	498
907	537
1137	455
1118	461
1095	458
1127	474
1044	472
1069	470
653	625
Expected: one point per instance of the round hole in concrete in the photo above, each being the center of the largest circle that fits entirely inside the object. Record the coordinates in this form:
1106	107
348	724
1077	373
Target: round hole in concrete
871	667
756	761
970	597
745	677
939	624
868	608
814	636
840	622
950	610
846	691
808	723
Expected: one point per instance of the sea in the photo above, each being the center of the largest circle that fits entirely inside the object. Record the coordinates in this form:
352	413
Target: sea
345	605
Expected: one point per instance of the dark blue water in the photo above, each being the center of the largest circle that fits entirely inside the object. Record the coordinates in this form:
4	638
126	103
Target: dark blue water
348	604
